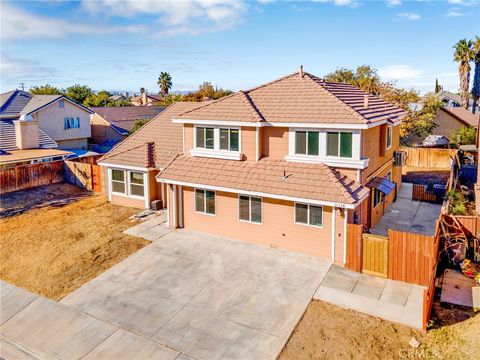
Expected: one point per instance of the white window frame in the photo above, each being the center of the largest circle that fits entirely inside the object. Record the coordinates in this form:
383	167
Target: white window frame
128	191
229	129
355	162
216	152
124	183
204	201
308	215
306	143
339	132
250	209
130	185
389	134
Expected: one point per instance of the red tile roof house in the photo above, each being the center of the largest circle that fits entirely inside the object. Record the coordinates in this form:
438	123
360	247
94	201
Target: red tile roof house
286	164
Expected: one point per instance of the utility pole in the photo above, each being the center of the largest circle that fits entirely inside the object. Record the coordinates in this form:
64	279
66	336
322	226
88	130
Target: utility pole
22	85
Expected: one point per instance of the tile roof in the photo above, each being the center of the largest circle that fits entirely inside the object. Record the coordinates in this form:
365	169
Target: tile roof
302	180
298	99
463	115
123	117
168	138
17	102
8	137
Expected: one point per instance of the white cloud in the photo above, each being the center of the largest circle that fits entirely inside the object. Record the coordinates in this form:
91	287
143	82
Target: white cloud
400	72
454	13
409	16
394	2
338	2
455	1
17	23
177	17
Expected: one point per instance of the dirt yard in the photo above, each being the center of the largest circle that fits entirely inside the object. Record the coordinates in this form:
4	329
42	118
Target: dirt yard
329	332
68	237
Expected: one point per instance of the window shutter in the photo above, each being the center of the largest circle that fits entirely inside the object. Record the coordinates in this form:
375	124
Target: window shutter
383	140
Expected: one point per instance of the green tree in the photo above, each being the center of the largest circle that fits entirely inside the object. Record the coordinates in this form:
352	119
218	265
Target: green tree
463	54
142	90
45	90
466	135
164	82
78	93
438	88
364	77
206	90
100	99
137	125
476	74
421	123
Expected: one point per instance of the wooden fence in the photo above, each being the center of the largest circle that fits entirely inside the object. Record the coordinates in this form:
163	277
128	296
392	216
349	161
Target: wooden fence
84	172
30	176
420	194
429	158
471	224
354	247
375	255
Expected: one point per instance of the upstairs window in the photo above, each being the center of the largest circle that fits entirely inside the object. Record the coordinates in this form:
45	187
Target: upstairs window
389	137
71	123
205	201
250	209
339	144
306	143
61	104
229	139
205	138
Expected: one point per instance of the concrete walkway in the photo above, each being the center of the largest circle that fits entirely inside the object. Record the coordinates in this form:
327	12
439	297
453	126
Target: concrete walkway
33	327
152	229
388	299
409	216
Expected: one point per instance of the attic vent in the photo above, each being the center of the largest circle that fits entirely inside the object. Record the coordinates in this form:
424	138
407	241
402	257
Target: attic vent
365	101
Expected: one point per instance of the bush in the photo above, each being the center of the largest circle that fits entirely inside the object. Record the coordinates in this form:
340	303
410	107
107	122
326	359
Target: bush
459	209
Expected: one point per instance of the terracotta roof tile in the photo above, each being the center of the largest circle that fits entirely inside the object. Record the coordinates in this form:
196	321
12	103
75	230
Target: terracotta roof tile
123	117
298	99
167	136
302	180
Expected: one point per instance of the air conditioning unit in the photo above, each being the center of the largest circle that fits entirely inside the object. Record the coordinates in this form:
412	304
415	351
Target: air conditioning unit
400	157
156	205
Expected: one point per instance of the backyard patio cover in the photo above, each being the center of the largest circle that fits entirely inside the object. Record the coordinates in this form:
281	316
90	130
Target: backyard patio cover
382	184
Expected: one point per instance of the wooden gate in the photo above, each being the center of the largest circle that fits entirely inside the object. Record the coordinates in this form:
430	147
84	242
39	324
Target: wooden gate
96	178
375	255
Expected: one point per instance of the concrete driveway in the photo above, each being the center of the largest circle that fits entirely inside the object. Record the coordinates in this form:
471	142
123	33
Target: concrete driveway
204	296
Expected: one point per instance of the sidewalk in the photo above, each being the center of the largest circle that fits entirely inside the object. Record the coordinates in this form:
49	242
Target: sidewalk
388	299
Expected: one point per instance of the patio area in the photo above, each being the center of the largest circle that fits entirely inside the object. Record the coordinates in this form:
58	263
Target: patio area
407	215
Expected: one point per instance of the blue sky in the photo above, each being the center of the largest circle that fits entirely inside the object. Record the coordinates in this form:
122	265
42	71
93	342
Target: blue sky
123	45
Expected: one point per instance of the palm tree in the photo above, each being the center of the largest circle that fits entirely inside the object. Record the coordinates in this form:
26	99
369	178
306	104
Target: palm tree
164	82
476	74
463	55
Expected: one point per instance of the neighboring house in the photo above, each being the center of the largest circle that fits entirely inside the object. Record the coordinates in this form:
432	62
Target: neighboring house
449	99
146	100
452	119
286	164
62	119
436	141
117	98
114	123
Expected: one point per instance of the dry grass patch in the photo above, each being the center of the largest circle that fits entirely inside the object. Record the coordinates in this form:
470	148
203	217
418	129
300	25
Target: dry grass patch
330	332
52	251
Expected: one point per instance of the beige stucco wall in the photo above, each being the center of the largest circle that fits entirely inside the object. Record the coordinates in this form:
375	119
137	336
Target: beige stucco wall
249	143
51	121
275	142
277	229
73	144
102	130
26	134
446	124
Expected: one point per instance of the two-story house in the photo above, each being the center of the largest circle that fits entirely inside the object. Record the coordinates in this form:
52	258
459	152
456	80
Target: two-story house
286	164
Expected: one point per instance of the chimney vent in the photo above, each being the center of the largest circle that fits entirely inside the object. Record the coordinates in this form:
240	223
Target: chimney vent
150	155
365	101
301	71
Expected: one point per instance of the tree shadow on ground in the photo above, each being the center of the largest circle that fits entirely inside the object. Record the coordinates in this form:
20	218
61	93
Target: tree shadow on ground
55	195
